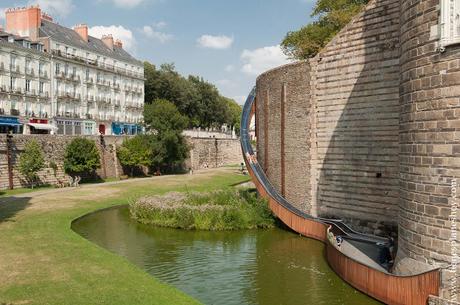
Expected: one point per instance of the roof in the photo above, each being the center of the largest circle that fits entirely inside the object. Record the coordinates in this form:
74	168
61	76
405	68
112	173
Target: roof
70	37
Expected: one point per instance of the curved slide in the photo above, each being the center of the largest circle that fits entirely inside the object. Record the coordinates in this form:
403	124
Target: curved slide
352	265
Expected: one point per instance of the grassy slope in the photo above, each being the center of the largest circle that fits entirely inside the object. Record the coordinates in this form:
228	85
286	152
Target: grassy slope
42	261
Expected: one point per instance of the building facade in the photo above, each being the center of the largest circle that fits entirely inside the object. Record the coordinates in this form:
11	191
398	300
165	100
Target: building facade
60	80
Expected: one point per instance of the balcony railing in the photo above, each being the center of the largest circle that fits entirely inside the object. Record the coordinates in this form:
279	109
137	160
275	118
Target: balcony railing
15	69
30	71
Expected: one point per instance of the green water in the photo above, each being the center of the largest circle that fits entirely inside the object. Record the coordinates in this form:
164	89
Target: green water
247	267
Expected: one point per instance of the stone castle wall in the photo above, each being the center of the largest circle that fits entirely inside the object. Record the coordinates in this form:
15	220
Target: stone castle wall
203	154
283	102
377	130
341	124
429	140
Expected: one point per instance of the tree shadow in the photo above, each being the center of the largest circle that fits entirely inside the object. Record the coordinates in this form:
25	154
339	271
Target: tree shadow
11	206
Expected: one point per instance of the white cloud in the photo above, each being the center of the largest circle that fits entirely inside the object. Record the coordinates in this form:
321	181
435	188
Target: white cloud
262	59
153	32
230	68
215	42
2	13
118	32
60	8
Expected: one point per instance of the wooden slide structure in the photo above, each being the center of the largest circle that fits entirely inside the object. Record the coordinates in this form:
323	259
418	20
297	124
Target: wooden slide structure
383	286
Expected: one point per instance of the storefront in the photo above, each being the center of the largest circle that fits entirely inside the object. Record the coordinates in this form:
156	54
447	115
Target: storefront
126	129
69	127
40	126
10	125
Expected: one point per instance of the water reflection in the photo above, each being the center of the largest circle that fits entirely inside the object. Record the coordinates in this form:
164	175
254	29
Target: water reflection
246	267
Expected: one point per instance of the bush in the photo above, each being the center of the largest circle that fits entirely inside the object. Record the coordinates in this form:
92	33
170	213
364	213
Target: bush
31	161
81	157
221	210
136	152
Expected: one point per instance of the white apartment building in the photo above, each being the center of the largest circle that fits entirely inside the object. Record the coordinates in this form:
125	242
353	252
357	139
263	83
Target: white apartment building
63	81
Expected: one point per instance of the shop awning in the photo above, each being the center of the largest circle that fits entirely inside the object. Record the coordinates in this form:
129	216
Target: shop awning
42	126
7	121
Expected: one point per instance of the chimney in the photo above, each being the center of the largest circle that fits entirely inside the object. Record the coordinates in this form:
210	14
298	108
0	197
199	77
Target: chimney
108	41
24	22
119	43
82	30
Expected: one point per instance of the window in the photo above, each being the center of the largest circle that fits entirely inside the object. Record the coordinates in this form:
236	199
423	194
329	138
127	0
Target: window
66	69
27	85
450	22
13	83
40	68
87	74
74	71
41	87
58	68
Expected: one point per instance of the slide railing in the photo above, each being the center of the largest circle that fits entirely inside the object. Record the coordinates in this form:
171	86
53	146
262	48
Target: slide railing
383	286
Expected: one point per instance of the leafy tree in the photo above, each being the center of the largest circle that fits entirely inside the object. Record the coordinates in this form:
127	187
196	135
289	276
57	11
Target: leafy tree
136	152
235	111
81	156
31	161
332	16
193	97
166	124
163	115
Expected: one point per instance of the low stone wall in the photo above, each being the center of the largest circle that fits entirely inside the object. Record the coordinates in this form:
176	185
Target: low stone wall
205	153
212	153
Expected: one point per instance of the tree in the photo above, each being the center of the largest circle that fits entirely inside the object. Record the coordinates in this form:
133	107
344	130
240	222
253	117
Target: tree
136	152
332	16
81	157
193	97
163	115
166	124
31	161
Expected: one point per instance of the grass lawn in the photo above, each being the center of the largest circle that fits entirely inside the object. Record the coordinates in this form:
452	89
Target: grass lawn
42	261
5	193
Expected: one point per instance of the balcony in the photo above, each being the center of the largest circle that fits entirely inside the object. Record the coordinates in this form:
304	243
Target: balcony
16	90
89	80
44	95
15	69
43	74
30	72
31	92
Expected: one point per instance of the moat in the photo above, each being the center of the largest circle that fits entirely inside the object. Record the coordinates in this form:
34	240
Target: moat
246	267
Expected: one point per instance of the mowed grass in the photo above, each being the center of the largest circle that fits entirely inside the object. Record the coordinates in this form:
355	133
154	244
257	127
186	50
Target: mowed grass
42	261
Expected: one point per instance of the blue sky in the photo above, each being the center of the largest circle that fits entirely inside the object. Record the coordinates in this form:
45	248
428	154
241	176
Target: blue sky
228	42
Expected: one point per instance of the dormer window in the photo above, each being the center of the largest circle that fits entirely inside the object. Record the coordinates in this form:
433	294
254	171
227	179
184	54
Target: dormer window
450	23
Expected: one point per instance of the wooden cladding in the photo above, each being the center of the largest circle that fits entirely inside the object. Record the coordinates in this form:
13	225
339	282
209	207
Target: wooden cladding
390	289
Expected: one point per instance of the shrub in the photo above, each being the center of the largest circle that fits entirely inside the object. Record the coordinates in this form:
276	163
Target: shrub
31	161
136	152
221	210
81	157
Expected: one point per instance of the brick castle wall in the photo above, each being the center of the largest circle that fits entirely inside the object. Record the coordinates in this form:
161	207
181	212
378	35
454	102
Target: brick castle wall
203	154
